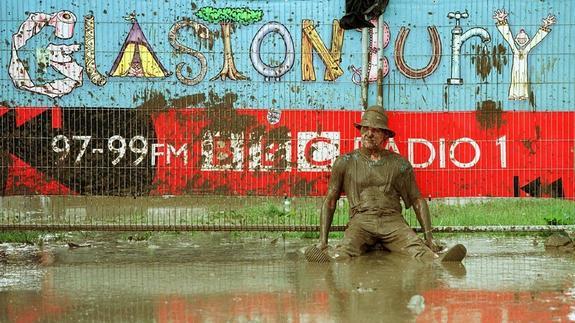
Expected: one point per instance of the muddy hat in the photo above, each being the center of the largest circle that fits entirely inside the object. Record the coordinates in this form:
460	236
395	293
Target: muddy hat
375	117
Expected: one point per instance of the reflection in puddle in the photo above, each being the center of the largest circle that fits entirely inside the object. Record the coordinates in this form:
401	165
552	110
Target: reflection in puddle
504	279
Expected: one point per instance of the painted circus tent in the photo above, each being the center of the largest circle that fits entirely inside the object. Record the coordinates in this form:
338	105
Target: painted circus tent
258	97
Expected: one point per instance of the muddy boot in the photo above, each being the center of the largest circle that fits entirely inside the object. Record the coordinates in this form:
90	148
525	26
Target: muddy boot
455	254
314	254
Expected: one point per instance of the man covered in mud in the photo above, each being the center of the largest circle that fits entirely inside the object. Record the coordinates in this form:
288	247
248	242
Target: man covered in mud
375	180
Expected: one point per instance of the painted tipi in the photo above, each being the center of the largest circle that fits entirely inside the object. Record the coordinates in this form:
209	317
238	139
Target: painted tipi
137	58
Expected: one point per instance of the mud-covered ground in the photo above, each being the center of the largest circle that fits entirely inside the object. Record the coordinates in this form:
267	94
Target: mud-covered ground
227	278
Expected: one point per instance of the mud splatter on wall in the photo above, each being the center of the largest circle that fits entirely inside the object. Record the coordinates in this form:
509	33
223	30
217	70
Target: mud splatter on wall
489	114
486	60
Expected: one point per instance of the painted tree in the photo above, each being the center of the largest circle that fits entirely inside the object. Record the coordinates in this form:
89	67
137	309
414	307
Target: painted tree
227	17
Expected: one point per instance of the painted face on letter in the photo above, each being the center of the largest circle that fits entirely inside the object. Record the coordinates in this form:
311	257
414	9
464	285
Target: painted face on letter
522	38
372	138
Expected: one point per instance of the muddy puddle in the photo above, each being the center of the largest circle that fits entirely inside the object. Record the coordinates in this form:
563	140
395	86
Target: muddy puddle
219	278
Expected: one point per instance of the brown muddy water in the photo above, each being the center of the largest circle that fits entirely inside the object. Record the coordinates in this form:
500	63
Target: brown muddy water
223	278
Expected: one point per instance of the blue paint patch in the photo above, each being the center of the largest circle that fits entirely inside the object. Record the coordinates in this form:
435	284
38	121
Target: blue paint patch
551	62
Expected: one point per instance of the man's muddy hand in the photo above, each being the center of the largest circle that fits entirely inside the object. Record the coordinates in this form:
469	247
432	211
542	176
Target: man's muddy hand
322	246
436	247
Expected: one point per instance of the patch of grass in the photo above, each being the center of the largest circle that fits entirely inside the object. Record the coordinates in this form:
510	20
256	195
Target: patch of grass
266	212
471	213
502	212
305	212
562	219
27	237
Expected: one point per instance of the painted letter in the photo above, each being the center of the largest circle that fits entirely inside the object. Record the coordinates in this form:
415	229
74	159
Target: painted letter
90	52
310	40
433	62
156	152
502	143
268	155
173	38
272	72
475	148
317	151
222	153
182	151
60	56
411	154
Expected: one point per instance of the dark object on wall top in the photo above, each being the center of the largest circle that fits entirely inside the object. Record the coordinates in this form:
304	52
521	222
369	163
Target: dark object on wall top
357	10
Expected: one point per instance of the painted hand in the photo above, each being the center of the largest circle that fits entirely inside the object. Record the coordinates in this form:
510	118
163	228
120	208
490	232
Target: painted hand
548	21
500	15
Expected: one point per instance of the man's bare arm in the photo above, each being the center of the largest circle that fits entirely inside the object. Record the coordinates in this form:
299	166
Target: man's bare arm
326	217
422	212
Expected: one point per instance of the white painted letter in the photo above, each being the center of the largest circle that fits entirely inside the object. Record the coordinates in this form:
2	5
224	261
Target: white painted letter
502	143
410	152
172	150
475	158
156	152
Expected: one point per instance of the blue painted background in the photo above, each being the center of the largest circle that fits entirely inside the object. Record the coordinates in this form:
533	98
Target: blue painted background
551	63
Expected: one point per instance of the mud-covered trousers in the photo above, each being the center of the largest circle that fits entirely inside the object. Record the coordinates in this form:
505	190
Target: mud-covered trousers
392	231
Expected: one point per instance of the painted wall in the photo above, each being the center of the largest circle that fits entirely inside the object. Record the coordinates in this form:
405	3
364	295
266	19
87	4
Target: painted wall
161	97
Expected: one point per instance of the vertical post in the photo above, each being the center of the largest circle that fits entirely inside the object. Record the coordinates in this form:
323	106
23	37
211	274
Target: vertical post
364	66
379	27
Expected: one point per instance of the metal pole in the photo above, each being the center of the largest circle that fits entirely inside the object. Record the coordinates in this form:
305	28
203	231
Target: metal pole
364	66
380	24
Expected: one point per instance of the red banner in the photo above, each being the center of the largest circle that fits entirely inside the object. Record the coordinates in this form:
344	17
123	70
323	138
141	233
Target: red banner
222	150
455	154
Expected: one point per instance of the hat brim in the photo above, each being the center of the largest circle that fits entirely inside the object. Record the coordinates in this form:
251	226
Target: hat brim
390	133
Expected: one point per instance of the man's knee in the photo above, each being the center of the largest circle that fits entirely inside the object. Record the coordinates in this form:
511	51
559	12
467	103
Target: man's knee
340	255
346	250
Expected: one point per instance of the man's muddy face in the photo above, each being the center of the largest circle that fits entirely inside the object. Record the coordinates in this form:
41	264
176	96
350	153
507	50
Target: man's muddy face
372	138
